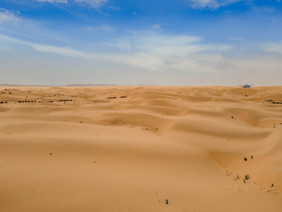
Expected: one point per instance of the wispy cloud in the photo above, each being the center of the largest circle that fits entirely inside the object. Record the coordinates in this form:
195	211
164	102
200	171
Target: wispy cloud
174	54
263	9
212	4
8	17
93	3
64	51
162	53
156	27
102	28
54	1
273	47
151	52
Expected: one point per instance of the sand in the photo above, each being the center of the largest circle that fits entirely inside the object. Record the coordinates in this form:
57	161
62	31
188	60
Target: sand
139	148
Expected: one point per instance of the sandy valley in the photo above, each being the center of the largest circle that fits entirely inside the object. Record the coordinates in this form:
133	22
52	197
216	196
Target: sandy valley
148	149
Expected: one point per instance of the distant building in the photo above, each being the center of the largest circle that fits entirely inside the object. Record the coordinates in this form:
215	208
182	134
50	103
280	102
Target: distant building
246	86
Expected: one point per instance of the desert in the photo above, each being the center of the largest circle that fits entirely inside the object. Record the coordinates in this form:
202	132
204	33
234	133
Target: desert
142	148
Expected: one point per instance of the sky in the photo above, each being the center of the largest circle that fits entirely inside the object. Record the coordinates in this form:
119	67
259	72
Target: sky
141	42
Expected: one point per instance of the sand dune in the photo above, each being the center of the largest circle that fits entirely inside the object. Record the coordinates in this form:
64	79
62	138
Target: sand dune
133	148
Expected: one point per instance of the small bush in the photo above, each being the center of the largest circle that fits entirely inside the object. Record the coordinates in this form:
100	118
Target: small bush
247	177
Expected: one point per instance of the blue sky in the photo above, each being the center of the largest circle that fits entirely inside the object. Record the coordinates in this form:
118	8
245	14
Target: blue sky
130	42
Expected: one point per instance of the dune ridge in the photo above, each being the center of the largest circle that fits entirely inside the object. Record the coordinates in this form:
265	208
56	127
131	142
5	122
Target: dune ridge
132	148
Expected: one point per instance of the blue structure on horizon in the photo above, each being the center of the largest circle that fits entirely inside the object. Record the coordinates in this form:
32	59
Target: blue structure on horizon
246	86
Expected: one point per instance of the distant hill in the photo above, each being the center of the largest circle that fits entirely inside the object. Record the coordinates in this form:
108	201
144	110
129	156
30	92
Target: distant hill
68	85
89	85
18	85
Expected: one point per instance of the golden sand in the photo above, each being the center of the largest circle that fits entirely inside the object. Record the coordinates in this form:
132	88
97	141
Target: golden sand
125	149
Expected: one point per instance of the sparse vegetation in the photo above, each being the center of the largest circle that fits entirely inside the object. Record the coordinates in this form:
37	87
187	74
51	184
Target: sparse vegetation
112	97
247	177
273	101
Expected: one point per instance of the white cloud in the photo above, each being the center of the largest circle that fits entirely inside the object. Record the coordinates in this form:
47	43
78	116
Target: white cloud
183	53
274	47
8	17
156	27
264	9
64	51
93	3
54	1
160	53
14	21
102	28
186	56
212	4
151	52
